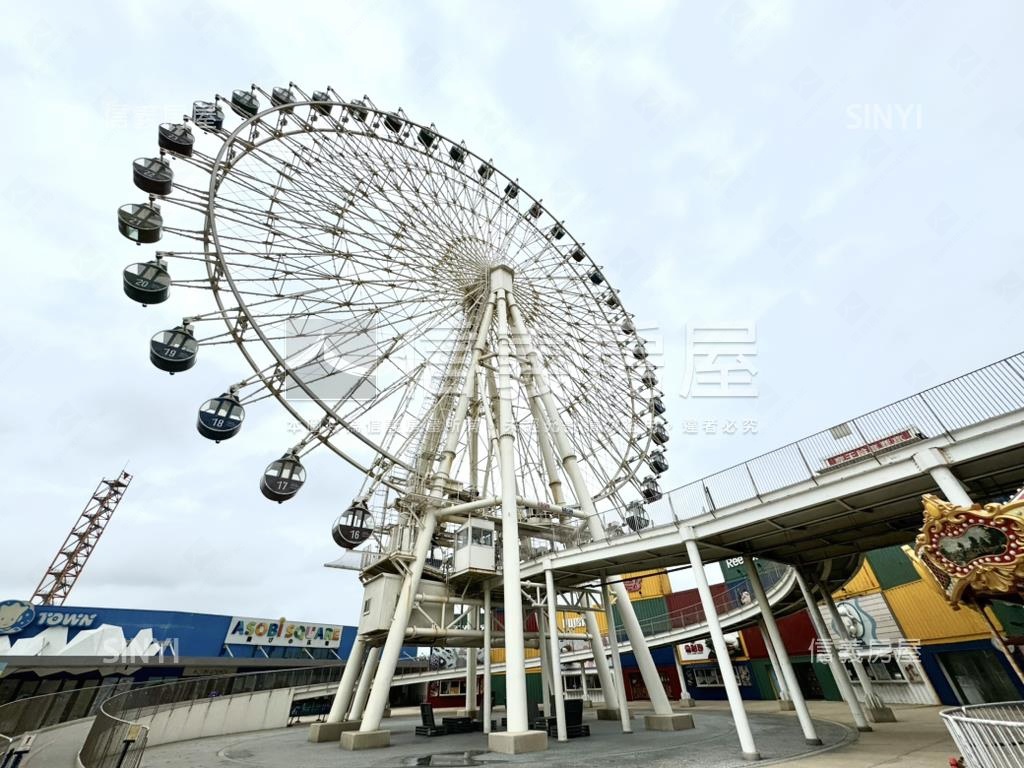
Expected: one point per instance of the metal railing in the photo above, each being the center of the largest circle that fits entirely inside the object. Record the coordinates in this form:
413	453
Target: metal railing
34	713
117	738
988	735
987	393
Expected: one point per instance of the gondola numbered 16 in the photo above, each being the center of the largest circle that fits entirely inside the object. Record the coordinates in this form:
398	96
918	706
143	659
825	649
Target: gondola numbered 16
354	526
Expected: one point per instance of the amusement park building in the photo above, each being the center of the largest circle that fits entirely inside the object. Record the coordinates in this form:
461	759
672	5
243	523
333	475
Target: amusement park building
917	649
46	649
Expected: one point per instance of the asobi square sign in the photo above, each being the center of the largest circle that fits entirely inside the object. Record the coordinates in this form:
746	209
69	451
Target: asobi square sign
247	631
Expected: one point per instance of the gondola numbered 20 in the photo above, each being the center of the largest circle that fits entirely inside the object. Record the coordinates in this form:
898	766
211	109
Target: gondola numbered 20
147	283
283	478
354	526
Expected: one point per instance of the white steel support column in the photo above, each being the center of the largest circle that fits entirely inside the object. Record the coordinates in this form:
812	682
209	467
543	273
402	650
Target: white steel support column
474	623
583	682
363	691
950	486
487	658
515	657
611	701
774	638
877	709
684	695
381	689
546	686
620	677
567	454
936	463
780	679
555	655
732	690
343	697
837	667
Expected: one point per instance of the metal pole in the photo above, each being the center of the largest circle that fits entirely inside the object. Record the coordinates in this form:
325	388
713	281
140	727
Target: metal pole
583	681
620	678
546	687
732	689
378	701
774	659
835	665
775	639
604	675
474	624
877	709
396	633
556	655
343	697
637	641
684	695
363	691
487	658
515	657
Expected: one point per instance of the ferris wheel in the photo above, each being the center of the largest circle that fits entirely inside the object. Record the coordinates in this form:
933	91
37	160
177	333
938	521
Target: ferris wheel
348	252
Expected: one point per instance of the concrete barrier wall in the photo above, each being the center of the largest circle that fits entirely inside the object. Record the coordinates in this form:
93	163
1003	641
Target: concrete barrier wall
219	716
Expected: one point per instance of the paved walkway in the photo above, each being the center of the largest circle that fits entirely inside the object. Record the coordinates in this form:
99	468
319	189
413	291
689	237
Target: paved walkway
917	740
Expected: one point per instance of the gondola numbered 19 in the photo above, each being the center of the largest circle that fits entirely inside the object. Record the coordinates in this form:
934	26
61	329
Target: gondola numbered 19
175	350
354	526
283	478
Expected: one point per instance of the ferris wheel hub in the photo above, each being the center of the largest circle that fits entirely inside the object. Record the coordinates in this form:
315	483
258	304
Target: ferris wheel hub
502	276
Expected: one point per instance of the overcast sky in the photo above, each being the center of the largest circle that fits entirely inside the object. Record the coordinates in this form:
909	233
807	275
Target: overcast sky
841	178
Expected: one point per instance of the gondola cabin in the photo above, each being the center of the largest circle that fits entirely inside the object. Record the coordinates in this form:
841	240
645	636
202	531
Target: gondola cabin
657	462
636	516
174	351
148	283
354	526
220	418
322	105
244	104
283	478
650	490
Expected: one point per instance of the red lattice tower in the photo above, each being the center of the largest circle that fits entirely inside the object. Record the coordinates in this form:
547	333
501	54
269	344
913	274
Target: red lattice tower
71	558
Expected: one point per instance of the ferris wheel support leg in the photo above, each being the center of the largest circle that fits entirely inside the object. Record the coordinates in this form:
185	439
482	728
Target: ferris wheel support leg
363	691
381	688
332	728
342	699
544	441
642	653
515	656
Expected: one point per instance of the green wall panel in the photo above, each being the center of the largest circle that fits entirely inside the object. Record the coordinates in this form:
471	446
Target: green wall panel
892	567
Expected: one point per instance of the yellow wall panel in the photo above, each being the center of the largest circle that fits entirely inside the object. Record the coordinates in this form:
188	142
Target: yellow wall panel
862	583
924	615
644	584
